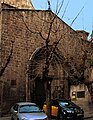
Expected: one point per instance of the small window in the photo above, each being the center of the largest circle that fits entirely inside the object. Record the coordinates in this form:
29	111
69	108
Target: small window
13	83
81	94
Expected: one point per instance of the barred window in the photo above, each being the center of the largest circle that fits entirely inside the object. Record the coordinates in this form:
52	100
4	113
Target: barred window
81	94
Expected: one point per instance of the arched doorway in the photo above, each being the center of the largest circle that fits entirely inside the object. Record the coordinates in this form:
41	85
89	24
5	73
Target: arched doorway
56	74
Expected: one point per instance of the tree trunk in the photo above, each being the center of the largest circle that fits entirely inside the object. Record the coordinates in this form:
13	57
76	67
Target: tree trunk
48	99
90	89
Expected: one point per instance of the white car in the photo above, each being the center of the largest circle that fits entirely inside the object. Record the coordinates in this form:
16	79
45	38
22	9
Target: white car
27	111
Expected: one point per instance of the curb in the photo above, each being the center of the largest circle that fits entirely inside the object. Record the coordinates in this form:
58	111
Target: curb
88	117
7	117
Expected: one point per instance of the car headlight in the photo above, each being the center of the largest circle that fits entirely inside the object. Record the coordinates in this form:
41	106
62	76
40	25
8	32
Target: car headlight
64	112
24	119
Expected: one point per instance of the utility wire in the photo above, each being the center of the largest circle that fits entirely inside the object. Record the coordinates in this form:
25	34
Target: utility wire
56	6
60	7
77	16
65	8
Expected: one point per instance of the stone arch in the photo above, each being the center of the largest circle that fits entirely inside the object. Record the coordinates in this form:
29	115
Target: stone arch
35	70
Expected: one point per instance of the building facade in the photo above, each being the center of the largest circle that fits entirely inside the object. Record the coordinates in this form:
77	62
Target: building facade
29	29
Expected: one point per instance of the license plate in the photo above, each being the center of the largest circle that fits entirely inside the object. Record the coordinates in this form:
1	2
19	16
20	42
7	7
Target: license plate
79	114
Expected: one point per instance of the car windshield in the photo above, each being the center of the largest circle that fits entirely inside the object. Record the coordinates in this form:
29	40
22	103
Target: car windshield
66	103
29	109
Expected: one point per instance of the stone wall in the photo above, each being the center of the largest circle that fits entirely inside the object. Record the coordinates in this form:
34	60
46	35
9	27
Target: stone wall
24	27
19	4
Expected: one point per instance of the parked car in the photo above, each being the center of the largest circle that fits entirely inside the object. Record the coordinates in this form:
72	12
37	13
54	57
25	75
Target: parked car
27	111
65	109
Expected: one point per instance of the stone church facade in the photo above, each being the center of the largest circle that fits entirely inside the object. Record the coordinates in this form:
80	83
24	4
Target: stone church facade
28	29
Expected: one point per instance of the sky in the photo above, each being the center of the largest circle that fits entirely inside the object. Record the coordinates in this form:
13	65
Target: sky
79	13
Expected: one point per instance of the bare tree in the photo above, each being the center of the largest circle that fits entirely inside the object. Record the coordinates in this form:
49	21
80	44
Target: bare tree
72	71
3	68
49	54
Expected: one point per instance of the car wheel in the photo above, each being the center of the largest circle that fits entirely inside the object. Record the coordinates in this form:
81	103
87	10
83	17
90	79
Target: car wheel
12	118
61	117
82	118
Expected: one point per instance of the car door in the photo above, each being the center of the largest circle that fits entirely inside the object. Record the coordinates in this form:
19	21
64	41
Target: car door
54	108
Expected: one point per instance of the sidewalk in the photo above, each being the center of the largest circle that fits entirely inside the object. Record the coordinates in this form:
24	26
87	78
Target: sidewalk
88	109
88	112
5	118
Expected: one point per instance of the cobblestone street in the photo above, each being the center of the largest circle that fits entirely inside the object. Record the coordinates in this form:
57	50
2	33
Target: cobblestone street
5	118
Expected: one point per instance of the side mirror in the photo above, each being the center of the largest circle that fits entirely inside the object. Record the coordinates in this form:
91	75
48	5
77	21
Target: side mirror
15	111
42	110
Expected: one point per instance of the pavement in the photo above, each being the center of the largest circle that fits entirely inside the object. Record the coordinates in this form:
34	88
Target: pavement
88	114
5	118
88	109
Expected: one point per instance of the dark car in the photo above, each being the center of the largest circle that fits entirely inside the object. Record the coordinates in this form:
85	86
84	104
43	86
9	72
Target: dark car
65	110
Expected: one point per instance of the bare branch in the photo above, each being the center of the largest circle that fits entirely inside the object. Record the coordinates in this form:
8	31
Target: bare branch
60	7
34	32
55	45
8	60
65	9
